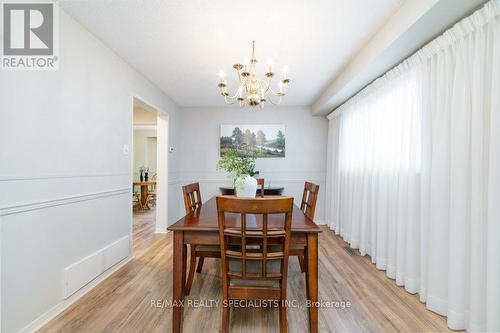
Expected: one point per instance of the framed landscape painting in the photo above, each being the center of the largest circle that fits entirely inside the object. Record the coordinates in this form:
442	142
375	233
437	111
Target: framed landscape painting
253	140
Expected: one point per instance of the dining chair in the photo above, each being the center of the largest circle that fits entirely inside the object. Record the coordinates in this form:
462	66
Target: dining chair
136	200
152	194
260	182
308	207
192	201
252	272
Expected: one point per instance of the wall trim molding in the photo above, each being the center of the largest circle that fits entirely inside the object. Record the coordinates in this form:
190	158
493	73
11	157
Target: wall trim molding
66	200
8	178
39	322
224	181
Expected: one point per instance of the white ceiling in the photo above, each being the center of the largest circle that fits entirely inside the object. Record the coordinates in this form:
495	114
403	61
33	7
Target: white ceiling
180	45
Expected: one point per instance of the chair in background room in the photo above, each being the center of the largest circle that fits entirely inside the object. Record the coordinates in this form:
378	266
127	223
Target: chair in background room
260	182
254	272
152	191
192	201
136	199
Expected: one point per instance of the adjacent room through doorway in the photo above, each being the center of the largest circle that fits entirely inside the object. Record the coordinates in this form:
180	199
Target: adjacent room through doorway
144	164
149	167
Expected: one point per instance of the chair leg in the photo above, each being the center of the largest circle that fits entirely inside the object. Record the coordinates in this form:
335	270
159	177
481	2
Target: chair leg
192	264
302	263
282	309
225	318
200	264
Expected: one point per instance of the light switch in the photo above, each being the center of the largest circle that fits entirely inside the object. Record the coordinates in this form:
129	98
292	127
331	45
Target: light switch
125	149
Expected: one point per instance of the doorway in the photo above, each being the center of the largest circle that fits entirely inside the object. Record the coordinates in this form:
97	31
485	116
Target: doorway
149	166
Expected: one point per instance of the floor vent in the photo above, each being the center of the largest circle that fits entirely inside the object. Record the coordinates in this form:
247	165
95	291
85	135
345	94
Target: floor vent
351	252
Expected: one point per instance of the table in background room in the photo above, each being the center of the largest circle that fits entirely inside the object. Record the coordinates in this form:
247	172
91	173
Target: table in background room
144	191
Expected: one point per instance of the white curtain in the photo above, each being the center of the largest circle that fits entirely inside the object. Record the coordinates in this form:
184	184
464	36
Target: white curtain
414	172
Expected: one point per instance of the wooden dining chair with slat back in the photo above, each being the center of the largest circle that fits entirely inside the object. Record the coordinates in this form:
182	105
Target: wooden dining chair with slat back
192	197
308	207
251	272
192	201
260	182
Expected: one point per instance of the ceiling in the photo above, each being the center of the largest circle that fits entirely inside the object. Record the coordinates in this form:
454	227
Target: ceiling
181	45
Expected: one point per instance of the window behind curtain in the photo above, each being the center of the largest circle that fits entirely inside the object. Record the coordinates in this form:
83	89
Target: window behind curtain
382	132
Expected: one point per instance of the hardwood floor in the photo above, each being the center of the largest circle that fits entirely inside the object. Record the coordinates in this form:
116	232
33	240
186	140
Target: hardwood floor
122	303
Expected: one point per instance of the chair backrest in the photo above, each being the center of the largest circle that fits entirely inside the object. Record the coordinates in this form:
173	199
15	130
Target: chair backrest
153	179
260	182
192	197
309	198
247	221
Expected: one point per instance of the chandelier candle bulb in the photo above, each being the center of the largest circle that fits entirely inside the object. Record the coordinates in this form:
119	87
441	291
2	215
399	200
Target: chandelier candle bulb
285	73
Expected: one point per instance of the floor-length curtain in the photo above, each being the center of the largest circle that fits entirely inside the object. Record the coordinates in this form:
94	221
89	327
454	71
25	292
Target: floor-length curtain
414	172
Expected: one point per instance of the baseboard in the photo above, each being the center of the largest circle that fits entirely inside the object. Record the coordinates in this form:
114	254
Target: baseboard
78	274
161	231
320	222
66	303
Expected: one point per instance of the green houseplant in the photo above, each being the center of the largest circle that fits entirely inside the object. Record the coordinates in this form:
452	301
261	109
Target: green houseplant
238	167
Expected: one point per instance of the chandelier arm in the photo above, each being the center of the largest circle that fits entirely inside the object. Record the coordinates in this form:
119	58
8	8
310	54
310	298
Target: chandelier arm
236	93
278	102
274	93
262	90
228	101
268	85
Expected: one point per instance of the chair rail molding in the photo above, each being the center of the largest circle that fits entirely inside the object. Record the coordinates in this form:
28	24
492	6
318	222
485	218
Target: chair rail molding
8	178
59	201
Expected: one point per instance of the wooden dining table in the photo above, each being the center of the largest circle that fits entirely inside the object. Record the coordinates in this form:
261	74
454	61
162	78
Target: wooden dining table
270	190
201	228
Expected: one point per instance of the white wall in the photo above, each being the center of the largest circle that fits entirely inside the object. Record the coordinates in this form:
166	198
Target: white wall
306	139
144	151
64	181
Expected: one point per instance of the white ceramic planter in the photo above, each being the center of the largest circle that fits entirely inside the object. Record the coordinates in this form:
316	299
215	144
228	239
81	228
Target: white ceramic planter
247	187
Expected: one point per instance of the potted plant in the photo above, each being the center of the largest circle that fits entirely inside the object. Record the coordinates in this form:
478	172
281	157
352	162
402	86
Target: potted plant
241	169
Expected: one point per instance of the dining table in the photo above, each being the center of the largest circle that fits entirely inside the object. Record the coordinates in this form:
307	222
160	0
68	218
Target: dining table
200	227
269	190
144	190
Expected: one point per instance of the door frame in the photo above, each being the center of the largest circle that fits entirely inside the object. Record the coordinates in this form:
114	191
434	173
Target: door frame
162	135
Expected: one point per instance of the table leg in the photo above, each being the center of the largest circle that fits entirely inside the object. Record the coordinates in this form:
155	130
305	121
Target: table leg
144	195
312	279
179	278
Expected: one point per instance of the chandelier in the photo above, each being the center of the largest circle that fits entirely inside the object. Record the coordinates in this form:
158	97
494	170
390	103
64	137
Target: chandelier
252	90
